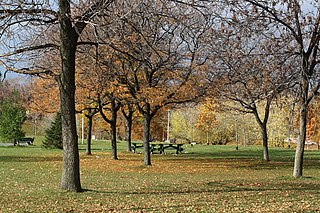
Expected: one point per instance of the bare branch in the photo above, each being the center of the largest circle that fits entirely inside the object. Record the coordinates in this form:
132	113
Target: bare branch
8	13
31	48
277	19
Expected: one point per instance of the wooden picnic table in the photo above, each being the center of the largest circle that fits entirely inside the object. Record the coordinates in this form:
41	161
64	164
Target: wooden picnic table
158	146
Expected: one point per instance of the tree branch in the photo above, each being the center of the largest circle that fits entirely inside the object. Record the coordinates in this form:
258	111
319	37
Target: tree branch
276	18
8	13
32	48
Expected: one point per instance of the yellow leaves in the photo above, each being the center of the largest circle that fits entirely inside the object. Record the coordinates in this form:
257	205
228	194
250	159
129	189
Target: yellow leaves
207	117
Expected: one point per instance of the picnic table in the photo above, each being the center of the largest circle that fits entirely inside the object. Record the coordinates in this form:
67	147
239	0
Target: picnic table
158	146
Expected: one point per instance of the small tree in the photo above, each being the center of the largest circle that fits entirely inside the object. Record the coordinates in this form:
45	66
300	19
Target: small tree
12	116
53	138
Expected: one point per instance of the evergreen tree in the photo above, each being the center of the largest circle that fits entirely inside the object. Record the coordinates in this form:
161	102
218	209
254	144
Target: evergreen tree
53	137
12	116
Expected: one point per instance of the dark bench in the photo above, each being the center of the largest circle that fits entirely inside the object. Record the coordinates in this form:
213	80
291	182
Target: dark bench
177	147
135	146
25	141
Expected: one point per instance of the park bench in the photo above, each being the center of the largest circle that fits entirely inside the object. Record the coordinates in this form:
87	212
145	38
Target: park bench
23	141
159	146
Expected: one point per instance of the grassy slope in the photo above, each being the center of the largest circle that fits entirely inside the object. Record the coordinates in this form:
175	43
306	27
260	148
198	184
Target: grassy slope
206	178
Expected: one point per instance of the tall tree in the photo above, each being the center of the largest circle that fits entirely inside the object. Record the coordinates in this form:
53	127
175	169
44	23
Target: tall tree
24	24
298	22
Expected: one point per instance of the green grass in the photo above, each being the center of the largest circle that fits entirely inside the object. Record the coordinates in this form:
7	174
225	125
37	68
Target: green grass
203	179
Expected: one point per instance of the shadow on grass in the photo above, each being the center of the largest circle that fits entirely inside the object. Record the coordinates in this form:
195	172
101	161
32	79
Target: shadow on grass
29	159
223	187
92	149
294	185
251	153
249	158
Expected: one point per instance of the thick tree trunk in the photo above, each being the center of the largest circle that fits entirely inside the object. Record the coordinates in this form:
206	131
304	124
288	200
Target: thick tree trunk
89	133
70	180
146	137
298	161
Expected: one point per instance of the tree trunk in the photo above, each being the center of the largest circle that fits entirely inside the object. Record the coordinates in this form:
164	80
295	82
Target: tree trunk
298	160
265	143
263	127
89	132
237	131
70	180
264	133
128	132
113	125
129	118
146	136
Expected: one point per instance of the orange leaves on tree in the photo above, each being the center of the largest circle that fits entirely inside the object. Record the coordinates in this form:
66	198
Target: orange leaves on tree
313	122
207	117
44	95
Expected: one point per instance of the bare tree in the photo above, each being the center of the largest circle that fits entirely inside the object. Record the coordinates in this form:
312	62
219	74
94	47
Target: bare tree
297	22
252	71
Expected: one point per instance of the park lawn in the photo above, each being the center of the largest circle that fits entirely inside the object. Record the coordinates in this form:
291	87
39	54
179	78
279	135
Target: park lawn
203	179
